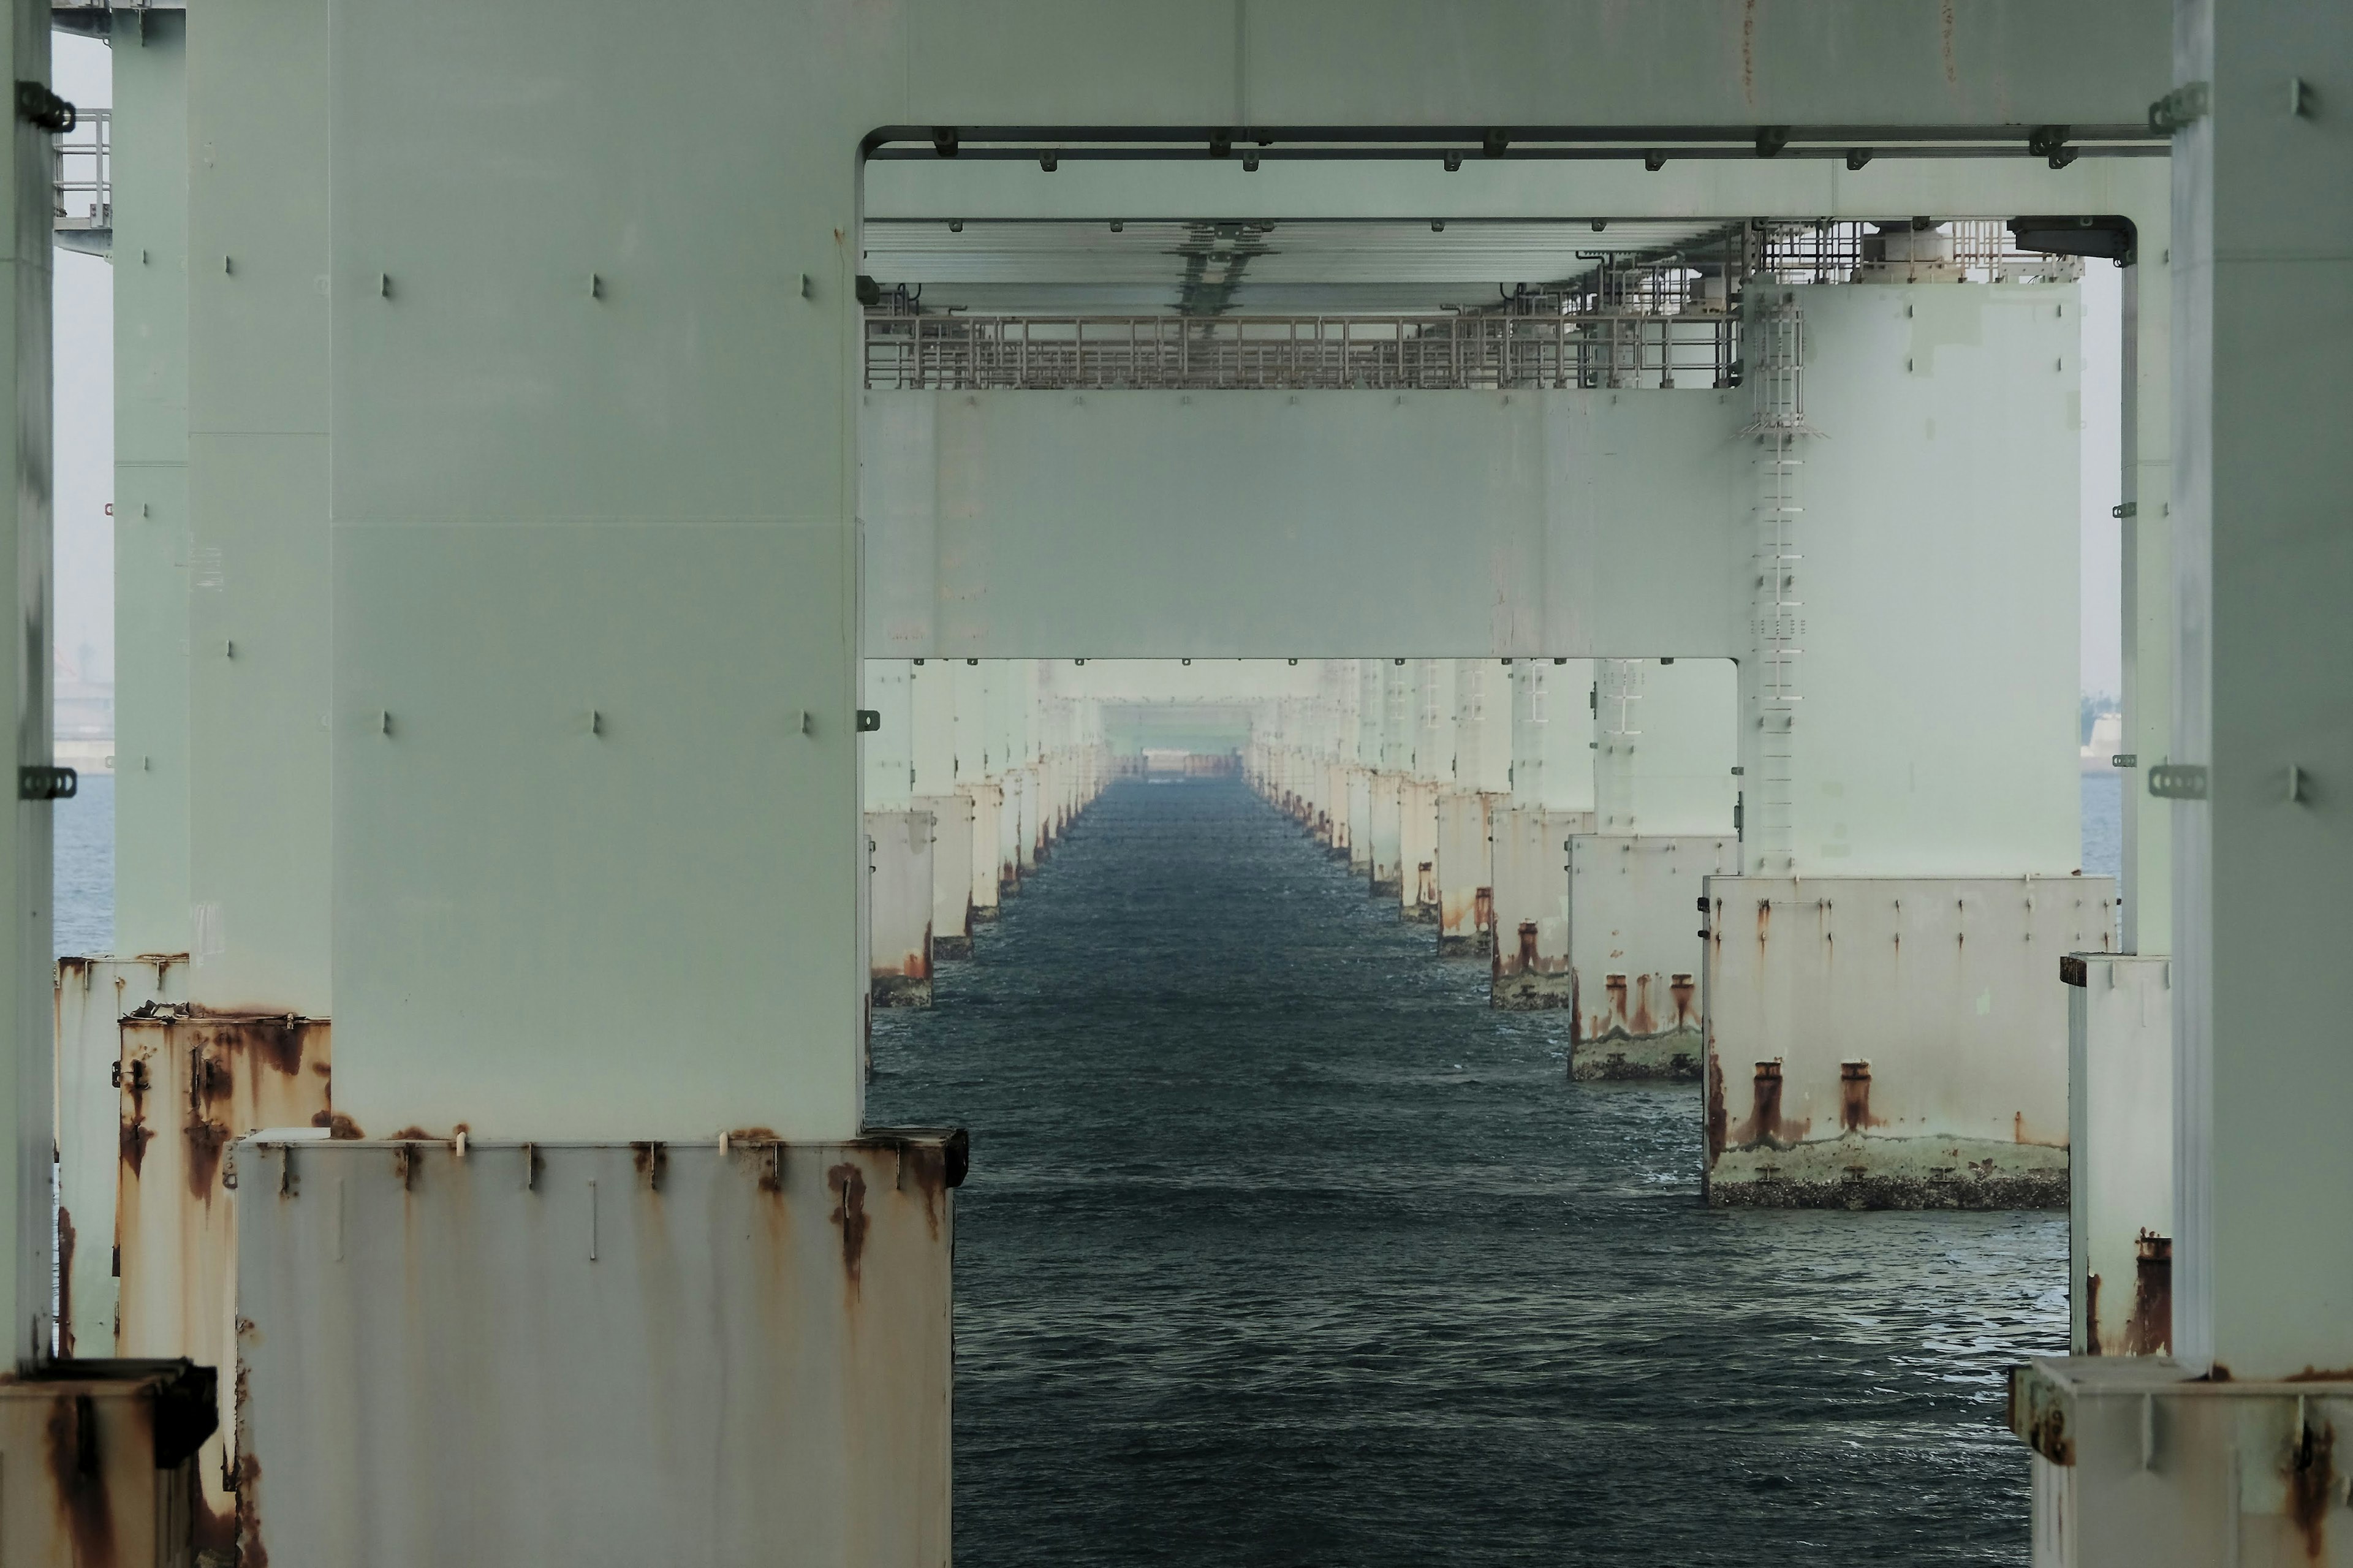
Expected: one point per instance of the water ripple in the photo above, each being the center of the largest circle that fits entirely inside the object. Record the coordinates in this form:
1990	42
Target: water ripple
1281	1248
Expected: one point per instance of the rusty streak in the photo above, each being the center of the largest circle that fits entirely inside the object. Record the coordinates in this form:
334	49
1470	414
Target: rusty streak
206	1139
1718	1119
2312	1487
1765	1125
2149	1330
251	1552
1855	1097
65	1283
78	1475
652	1160
849	1186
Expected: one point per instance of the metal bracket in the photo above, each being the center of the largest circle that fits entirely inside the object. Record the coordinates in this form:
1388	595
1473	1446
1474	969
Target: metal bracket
869	719
2182	105
2178	781
2124	760
2124	509
48	784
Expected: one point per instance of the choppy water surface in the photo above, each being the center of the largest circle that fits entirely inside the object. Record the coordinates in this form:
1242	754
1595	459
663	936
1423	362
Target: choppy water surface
1280	1248
81	835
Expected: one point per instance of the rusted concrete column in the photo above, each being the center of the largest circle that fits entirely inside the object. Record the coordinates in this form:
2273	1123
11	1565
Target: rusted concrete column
93	995
1466	874
1530	971
899	878
194	1082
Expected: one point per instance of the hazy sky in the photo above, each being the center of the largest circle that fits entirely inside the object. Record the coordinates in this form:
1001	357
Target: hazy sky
85	411
85	427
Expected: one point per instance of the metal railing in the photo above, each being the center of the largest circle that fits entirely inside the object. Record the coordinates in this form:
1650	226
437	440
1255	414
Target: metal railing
1404	352
1973	250
81	173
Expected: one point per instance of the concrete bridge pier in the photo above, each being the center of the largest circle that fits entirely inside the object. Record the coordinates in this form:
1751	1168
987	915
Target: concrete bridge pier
1883	1023
1480	786
1664	788
1551	798
1429	763
899	893
933	789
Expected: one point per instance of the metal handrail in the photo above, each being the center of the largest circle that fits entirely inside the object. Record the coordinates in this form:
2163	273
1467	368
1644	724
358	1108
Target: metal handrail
1394	353
91	142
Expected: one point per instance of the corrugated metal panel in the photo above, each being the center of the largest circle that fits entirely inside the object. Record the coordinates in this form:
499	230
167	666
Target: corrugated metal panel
1634	950
598	1353
1893	1041
92	996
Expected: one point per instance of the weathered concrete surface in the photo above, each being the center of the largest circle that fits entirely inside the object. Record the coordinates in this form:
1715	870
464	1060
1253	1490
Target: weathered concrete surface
2139	1462
1634	952
1892	1041
1360	822
1387	796
987	815
1531	969
1417	851
2120	1130
93	994
952	834
734	1351
899	914
194	1082
1466	874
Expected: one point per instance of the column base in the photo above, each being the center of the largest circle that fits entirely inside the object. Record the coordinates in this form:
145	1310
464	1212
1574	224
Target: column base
950	947
902	991
1672	1056
1531	990
1476	944
2138	1463
1857	1172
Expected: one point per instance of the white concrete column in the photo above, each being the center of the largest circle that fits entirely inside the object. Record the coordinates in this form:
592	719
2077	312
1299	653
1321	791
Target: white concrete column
2148	607
261	657
1666	737
24	668
2262	298
152	542
887	755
